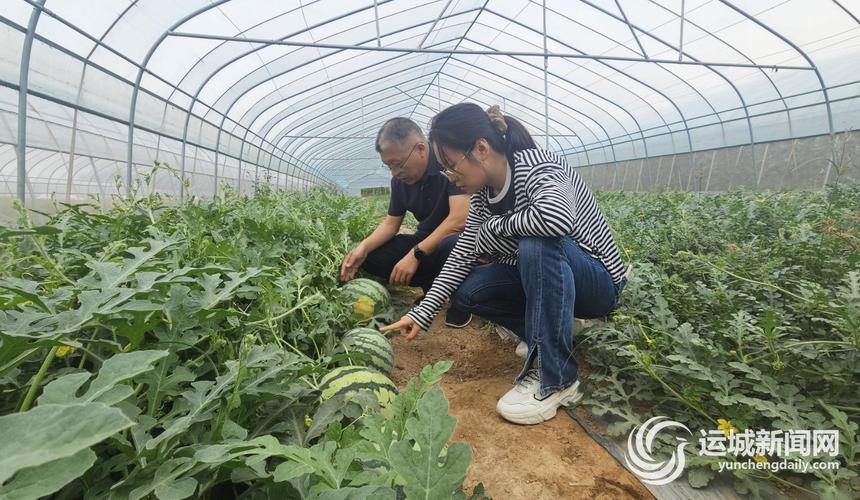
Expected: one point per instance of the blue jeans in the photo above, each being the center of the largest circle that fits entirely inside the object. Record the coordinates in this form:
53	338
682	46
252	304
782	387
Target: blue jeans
554	279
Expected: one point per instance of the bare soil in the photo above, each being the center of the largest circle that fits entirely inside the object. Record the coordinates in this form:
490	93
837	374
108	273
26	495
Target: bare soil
553	460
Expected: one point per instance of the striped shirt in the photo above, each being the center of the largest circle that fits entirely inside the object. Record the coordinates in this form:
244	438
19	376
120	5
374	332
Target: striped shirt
551	201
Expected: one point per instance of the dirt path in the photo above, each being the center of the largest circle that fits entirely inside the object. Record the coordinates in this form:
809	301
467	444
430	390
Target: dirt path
553	460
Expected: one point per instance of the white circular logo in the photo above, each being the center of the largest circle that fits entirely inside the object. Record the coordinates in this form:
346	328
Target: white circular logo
643	464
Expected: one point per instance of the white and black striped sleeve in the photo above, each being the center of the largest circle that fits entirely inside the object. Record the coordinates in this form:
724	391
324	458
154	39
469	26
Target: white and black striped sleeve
457	267
551	205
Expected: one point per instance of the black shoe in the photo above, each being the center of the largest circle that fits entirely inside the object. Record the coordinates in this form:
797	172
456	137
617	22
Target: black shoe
457	319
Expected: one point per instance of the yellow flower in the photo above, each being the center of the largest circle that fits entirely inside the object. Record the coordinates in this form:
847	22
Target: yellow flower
726	426
760	459
64	351
308	421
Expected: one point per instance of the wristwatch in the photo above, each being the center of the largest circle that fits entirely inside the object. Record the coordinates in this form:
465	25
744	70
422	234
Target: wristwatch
418	253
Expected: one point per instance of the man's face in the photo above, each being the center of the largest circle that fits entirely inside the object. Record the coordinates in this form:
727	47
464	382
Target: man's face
406	161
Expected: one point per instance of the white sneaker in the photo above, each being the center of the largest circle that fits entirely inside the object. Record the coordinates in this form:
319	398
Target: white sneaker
506	333
521	405
522	349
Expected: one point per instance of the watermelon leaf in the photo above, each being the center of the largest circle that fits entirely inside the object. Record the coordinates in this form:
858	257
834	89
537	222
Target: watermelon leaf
52	432
106	386
42	480
427	472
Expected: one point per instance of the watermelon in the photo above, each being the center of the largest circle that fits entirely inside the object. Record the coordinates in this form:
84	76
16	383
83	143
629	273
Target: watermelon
351	379
372	343
366	298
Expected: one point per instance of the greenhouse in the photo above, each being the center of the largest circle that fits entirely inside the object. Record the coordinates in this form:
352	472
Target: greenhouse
306	249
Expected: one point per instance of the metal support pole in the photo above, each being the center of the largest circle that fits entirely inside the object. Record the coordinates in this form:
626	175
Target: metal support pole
545	82
376	17
681	36
23	84
71	168
215	175
136	88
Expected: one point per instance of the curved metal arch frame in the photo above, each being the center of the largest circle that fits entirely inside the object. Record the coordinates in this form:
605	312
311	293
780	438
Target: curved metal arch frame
452	15
307	62
740	53
758	115
598	96
566	80
304	63
682	53
360	146
809	61
144	63
354	71
671	101
23	81
368	130
630	76
136	89
744	105
264	132
759	103
464	95
311	124
448	57
285	132
216	148
267	127
729	82
98	43
823	87
212	74
418	102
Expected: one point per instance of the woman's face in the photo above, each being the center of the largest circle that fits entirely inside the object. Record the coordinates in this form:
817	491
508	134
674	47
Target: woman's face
464	168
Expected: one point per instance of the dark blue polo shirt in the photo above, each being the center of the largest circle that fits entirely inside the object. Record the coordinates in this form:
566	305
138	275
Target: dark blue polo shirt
427	199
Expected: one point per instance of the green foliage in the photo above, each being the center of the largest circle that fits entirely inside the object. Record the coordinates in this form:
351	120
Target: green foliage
158	351
743	307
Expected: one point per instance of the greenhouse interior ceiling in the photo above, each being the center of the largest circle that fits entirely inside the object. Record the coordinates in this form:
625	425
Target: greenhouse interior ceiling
639	94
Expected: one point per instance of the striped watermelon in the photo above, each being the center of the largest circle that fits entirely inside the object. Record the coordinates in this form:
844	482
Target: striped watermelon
366	298
372	343
350	379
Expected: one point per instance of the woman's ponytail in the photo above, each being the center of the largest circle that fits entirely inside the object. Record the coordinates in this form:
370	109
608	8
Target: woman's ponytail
517	137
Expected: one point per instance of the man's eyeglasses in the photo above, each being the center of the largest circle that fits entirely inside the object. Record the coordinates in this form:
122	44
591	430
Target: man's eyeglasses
404	162
450	172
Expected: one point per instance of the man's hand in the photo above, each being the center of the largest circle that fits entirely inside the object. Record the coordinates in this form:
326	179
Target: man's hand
404	270
352	262
407	326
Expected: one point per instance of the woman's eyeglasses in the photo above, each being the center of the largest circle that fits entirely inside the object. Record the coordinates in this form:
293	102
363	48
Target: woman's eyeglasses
450	172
